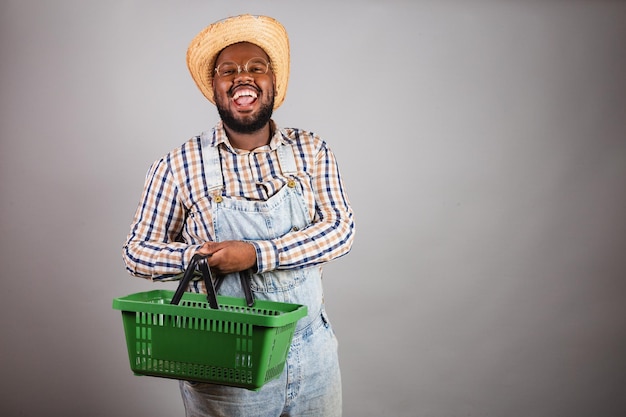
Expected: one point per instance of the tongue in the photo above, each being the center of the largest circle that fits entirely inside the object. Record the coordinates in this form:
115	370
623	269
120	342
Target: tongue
244	100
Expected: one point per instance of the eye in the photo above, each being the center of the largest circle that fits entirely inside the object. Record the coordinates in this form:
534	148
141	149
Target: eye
227	69
257	66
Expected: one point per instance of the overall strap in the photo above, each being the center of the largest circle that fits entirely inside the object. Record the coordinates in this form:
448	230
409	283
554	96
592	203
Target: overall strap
287	159
212	165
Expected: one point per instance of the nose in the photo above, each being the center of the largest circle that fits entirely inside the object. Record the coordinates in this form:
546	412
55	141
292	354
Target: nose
242	75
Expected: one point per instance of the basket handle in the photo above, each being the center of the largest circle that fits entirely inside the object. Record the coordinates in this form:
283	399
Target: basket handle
244	279
197	261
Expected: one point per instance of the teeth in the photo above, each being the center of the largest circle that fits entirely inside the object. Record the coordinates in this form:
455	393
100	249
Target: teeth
242	93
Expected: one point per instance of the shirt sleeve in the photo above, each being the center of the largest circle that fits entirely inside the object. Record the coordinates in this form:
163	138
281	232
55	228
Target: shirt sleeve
153	249
328	237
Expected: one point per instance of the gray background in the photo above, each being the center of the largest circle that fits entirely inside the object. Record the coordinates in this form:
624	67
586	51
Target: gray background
483	145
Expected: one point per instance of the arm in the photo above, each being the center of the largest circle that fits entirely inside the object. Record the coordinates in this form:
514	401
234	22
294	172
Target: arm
153	249
328	237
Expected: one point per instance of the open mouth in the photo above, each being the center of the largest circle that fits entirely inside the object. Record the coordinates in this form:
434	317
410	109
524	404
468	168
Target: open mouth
245	97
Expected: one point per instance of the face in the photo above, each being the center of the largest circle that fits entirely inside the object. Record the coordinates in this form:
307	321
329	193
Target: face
245	100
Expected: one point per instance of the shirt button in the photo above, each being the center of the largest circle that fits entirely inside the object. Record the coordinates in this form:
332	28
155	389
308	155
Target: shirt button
291	183
218	198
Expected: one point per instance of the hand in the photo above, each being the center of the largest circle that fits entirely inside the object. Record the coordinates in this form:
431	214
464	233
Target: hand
229	256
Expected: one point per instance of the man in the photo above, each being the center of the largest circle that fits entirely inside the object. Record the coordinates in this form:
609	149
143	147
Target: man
255	197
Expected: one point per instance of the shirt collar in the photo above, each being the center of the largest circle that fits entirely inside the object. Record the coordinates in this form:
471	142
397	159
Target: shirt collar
278	138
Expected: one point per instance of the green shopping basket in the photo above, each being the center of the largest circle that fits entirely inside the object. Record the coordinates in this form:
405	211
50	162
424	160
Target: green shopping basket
216	339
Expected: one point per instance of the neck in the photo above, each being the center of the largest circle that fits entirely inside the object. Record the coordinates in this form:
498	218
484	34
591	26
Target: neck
249	141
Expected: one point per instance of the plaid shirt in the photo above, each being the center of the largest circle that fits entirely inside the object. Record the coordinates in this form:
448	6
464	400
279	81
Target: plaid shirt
162	240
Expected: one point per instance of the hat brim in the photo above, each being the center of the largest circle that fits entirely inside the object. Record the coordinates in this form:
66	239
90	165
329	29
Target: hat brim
263	31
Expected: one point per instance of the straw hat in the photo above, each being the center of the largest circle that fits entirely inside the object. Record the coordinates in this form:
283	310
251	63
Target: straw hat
263	31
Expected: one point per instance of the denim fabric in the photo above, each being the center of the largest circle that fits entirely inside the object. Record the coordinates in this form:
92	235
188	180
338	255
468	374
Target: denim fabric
310	384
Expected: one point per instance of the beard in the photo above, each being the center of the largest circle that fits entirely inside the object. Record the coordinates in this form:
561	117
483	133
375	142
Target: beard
247	124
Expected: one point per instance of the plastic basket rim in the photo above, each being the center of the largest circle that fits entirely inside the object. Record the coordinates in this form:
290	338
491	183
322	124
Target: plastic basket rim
234	309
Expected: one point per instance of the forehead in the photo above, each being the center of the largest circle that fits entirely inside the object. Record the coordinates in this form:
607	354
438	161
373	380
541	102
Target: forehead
240	51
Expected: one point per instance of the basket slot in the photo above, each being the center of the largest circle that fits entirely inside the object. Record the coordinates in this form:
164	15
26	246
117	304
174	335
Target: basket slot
232	308
192	371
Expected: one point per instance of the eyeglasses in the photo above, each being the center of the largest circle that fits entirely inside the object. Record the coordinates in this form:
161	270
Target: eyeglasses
255	66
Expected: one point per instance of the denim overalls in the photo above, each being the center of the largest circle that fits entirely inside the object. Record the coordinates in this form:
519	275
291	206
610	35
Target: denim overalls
310	384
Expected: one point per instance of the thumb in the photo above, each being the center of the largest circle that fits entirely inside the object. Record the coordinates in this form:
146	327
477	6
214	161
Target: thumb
208	248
